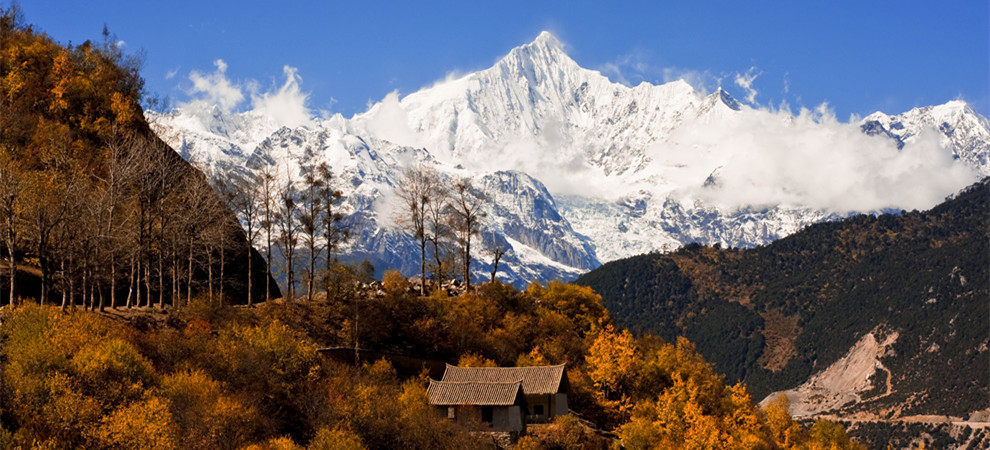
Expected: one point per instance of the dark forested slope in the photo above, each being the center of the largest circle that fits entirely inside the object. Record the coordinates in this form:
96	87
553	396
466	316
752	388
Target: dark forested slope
774	315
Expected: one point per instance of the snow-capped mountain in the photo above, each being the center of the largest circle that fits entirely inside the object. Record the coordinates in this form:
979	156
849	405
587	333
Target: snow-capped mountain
963	131
579	170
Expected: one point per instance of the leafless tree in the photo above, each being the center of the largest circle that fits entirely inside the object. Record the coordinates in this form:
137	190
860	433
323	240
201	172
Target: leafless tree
10	180
199	229
268	201
438	228
245	192
333	234
466	216
311	213
497	251
287	218
414	190
121	168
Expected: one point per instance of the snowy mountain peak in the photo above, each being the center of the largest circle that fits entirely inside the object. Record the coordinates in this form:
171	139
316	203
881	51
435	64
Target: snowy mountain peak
545	56
961	129
577	169
547	39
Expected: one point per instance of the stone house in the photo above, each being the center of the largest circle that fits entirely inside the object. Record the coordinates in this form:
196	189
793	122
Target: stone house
483	406
544	387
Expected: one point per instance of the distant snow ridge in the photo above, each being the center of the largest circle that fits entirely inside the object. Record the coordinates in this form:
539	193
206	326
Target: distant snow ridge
579	170
962	130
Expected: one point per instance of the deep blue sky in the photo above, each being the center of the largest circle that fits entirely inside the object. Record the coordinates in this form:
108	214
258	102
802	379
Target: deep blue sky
859	56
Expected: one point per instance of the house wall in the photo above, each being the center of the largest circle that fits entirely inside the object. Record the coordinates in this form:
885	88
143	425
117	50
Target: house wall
559	404
508	418
538	399
553	405
468	415
504	418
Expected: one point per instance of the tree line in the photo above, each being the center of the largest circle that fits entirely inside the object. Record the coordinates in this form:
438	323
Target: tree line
288	214
97	210
443	218
94	207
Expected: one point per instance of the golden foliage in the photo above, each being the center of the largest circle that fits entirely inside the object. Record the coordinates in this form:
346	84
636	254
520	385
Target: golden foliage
827	435
279	443
142	424
475	360
786	433
206	416
612	359
247	379
335	439
395	283
580	303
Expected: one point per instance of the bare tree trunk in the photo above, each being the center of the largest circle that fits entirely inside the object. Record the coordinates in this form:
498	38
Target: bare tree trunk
175	280
65	290
312	271
130	284
72	293
137	281
467	264
222	255
190	274
422	267
439	260
161	281
113	279
100	293
44	282
92	293
85	284
250	274
13	266
147	284
268	279
209	272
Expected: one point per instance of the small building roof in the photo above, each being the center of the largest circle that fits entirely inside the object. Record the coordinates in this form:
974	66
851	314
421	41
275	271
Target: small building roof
447	393
535	380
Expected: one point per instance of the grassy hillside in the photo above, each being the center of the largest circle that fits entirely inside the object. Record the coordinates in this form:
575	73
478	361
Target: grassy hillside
774	315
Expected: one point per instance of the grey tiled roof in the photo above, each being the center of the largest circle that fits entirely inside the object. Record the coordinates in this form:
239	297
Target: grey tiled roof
535	380
473	393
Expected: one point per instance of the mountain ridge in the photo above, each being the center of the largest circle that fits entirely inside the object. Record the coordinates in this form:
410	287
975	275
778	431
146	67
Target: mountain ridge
641	160
876	319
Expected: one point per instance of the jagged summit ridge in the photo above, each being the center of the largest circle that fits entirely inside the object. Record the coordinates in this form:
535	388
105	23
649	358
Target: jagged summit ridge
579	169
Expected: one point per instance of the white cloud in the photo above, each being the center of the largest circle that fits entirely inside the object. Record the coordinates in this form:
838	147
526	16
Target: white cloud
388	120
171	73
745	81
287	104
214	88
767	158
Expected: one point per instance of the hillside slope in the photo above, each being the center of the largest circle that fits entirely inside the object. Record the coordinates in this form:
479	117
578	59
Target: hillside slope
92	198
906	293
